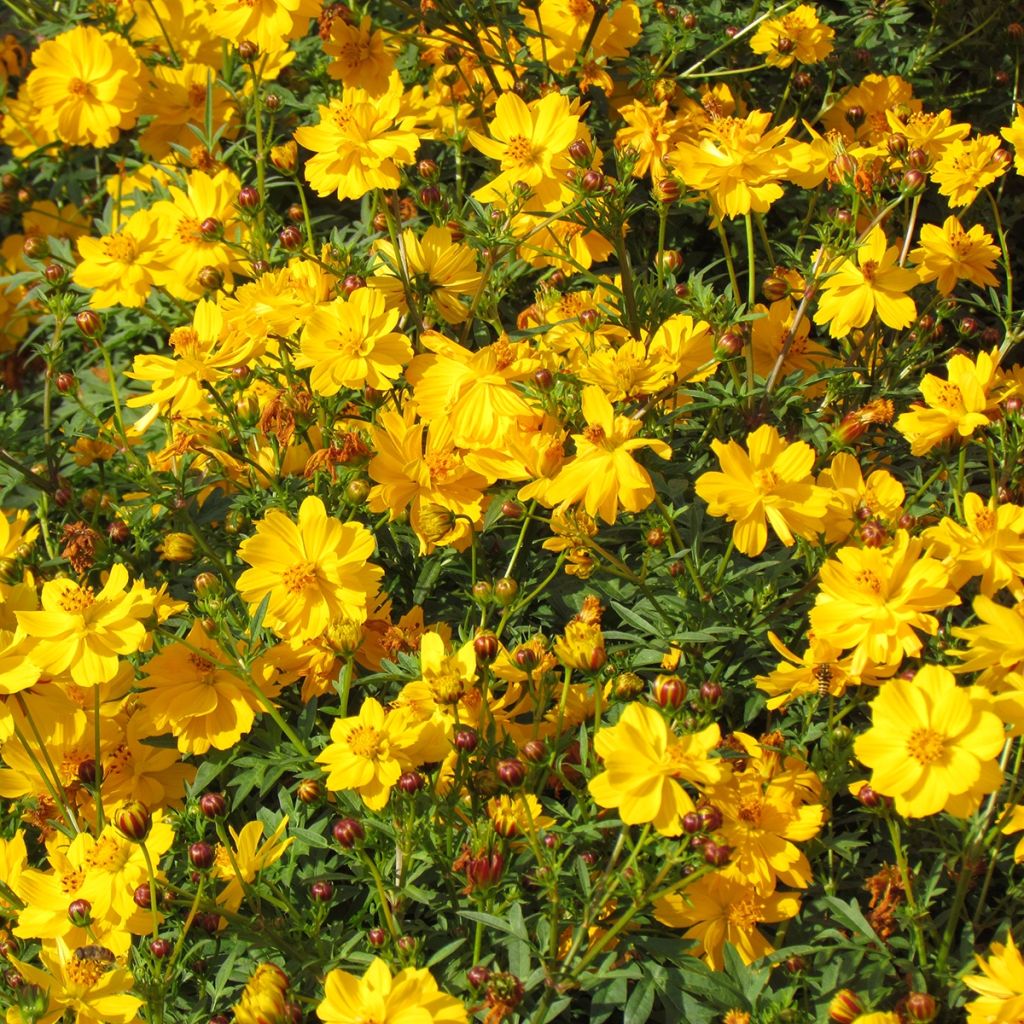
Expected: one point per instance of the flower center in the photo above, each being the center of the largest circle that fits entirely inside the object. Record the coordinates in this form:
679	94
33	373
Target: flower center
447	686
520	151
365	741
121	248
299	577
743	914
594	434
108	854
985	520
925	746
750	811
868	268
75	600
867	580
441	465
948	396
78	88
196	95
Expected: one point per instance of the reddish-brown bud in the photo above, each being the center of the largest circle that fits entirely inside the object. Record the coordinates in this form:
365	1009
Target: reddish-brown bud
54	273
249	197
428	170
544	379
89	323
410	782
914	180
80	912
505	590
478	976
669	691
309	791
352	283
347	832
592	181
710	691
667	190
534	750
248	51
845	1007
692	823
321	891
511	771
856	116
160	948
201	855
290	237
486	647
213	805
210	279
921	1007
730	343
580	152
141	896
66	382
376	937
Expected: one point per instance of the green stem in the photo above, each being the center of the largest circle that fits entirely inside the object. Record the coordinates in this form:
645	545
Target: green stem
1007	265
908	888
152	889
385	906
98	793
733	281
345	687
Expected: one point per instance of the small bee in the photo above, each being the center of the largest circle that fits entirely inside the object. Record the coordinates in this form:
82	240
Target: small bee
97	954
823	673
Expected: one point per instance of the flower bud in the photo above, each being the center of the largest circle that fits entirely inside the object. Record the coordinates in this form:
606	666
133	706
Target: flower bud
717	855
160	948
133	820
845	1007
544	379
201	855
347	832
486	647
505	591
667	190
80	913
352	283
533	750
465	740
711	818
775	288
592	181
580	152
248	51
321	891
308	791
478	975
511	771
89	323
65	382
627	686
710	691
856	116
249	198
692	823
428	170
376	937
35	247
213	805
671	260
669	691
284	157
290	237
921	1007
918	159
410	782
730	343
914	181
142	896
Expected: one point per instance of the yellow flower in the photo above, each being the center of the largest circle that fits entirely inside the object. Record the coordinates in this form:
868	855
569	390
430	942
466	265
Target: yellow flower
200	228
267	23
996	647
871	601
118	266
715	910
1014	134
96	990
604	474
956	407
881	495
15	533
315	571
990	546
369	751
565	24
194	697
517	815
352	342
645	766
876	95
738	162
874	284
949	254
264	999
1000	986
770	334
796	36
773	482
250	858
361	56
439	269
85	83
930	740
652	133
82	632
410	996
359	143
531	141
967	167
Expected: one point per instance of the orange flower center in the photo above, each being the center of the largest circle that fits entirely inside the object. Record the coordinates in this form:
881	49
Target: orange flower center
78	88
948	396
201	665
71	882
750	811
925	746
744	913
766	481
581	9
867	580
868	269
520	151
196	95
441	465
299	577
985	520
594	434
365	741
76	600
108	854
446	686
121	248
84	974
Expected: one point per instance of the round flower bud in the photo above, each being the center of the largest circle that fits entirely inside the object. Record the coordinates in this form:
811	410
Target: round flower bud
921	1007
534	750
511	771
914	180
592	181
710	691
669	691
730	343
249	198
87	771
248	51
376	937
795	964
716	855
544	379
1015	30
845	1007
54	273
410	782
352	283
210	279
856	116
209	922
512	510
201	855
627	685
486	647
35	247
347	832
142	897
308	791
482	592
321	891
290	237
897	145
211	228
160	948
692	823
357	491
802	81
213	805
80	912
667	190
774	288
689	21
711	818
525	658
918	159
89	323
428	170
671	260
133	820
681	291
580	152
505	591
589	319
65	382
272	101
478	976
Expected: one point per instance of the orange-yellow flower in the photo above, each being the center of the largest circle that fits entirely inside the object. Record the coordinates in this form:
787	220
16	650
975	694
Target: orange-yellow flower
85	83
796	36
1000	986
950	254
930	741
772	483
872	284
314	571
